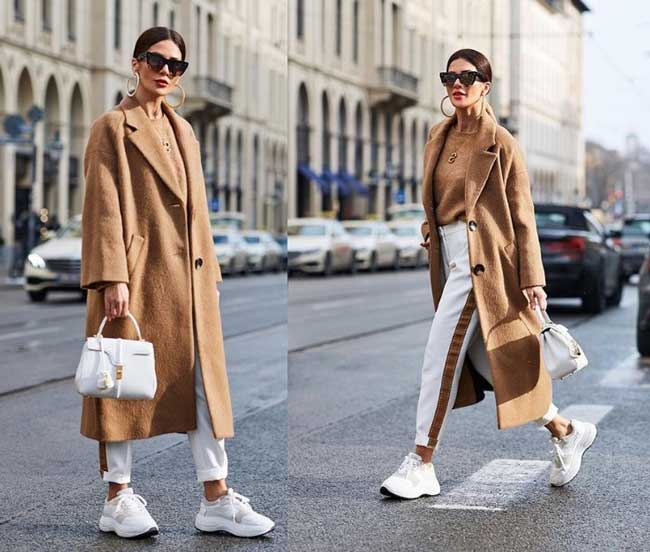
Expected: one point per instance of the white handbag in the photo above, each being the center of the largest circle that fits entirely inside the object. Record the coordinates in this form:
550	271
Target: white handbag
116	368
561	352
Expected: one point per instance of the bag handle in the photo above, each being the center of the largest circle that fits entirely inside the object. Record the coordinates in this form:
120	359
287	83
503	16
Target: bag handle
543	315
135	323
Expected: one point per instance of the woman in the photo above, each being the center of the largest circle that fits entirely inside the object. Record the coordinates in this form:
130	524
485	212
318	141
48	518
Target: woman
486	279
147	250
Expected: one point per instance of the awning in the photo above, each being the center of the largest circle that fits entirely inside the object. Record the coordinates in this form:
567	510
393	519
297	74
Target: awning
342	186
305	170
353	183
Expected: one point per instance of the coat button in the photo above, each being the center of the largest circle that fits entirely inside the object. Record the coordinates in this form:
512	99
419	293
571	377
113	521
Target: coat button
478	269
472	225
452	264
198	262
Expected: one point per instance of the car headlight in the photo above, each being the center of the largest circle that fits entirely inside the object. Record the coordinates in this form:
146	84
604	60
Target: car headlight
36	260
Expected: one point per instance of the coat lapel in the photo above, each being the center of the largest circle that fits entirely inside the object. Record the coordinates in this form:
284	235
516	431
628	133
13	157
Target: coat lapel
482	160
144	139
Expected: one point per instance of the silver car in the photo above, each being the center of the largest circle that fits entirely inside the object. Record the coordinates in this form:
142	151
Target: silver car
230	249
408	238
264	253
375	244
56	264
319	245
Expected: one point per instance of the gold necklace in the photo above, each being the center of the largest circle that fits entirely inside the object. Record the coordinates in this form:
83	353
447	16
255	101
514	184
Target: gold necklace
164	139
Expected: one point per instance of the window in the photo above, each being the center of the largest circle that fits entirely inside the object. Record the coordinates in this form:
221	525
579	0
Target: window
117	24
355	32
19	10
172	19
46	15
155	14
72	20
338	27
300	19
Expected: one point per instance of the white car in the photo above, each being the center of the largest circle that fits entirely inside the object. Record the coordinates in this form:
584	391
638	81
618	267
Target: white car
375	244
264	253
408	238
230	249
56	264
319	245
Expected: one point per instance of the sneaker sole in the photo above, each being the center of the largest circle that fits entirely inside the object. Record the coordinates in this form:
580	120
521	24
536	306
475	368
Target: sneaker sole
231	528
107	525
580	460
386	491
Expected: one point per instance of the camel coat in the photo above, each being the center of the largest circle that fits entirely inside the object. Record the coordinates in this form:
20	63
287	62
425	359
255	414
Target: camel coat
505	256
138	228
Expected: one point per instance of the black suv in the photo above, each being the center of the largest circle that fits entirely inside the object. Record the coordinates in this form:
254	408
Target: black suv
580	257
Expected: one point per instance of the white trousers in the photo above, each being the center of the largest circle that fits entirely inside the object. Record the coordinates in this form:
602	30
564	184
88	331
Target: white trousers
455	332
209	454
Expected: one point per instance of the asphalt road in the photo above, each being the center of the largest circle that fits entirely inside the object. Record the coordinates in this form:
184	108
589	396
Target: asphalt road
50	494
356	345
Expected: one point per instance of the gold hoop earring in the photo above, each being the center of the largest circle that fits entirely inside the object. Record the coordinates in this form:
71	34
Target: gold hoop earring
131	93
442	110
182	98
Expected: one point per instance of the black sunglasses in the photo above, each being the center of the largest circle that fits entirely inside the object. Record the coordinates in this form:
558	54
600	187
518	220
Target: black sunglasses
157	62
467	78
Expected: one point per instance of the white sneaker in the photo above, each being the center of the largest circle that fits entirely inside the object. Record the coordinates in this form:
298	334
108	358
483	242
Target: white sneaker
568	452
127	516
232	513
412	480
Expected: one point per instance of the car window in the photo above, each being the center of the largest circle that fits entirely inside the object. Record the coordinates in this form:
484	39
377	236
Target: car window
220	238
252	239
636	227
405	231
593	224
72	230
306	230
359	230
548	218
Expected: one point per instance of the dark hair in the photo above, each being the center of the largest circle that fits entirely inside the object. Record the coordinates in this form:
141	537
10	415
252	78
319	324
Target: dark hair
477	59
154	35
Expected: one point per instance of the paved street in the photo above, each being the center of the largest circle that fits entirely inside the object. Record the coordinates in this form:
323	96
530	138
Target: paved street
356	345
49	471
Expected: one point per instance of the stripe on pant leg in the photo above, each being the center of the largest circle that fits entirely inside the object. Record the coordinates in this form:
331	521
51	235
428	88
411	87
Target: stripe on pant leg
450	367
103	461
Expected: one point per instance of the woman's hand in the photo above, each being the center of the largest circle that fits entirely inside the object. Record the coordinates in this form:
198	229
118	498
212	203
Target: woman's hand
425	244
116	301
535	295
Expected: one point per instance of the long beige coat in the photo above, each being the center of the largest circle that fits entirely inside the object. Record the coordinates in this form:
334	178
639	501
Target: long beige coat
137	228
505	243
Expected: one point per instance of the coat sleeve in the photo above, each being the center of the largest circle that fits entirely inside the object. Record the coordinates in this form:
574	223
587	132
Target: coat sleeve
522	212
103	252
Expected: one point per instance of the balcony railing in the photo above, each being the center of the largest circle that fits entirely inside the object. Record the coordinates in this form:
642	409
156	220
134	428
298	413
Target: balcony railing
213	90
393	76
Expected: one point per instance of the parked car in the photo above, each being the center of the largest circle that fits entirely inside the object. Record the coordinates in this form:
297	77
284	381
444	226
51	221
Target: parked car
230	249
319	245
643	315
282	241
233	219
264	253
408	211
634	241
408	236
55	265
579	255
375	245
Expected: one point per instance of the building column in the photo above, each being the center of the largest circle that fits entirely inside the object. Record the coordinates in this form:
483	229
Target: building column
8	199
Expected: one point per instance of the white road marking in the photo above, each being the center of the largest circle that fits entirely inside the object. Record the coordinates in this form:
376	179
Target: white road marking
628	373
335	304
593	413
494	486
24	333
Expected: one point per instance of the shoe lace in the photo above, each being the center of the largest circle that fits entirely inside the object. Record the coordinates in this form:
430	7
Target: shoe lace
407	465
558	457
130	503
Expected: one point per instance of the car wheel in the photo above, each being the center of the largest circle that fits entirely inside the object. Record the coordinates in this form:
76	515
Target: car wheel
372	266
396	261
614	300
596	301
327	264
37	296
352	267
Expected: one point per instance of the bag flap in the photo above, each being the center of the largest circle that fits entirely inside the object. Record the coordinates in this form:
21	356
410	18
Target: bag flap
130	346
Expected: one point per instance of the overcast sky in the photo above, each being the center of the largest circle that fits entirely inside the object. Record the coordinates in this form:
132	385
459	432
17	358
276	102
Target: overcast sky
617	71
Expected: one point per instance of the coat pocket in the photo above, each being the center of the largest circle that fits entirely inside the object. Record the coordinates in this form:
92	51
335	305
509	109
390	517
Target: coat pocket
133	252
